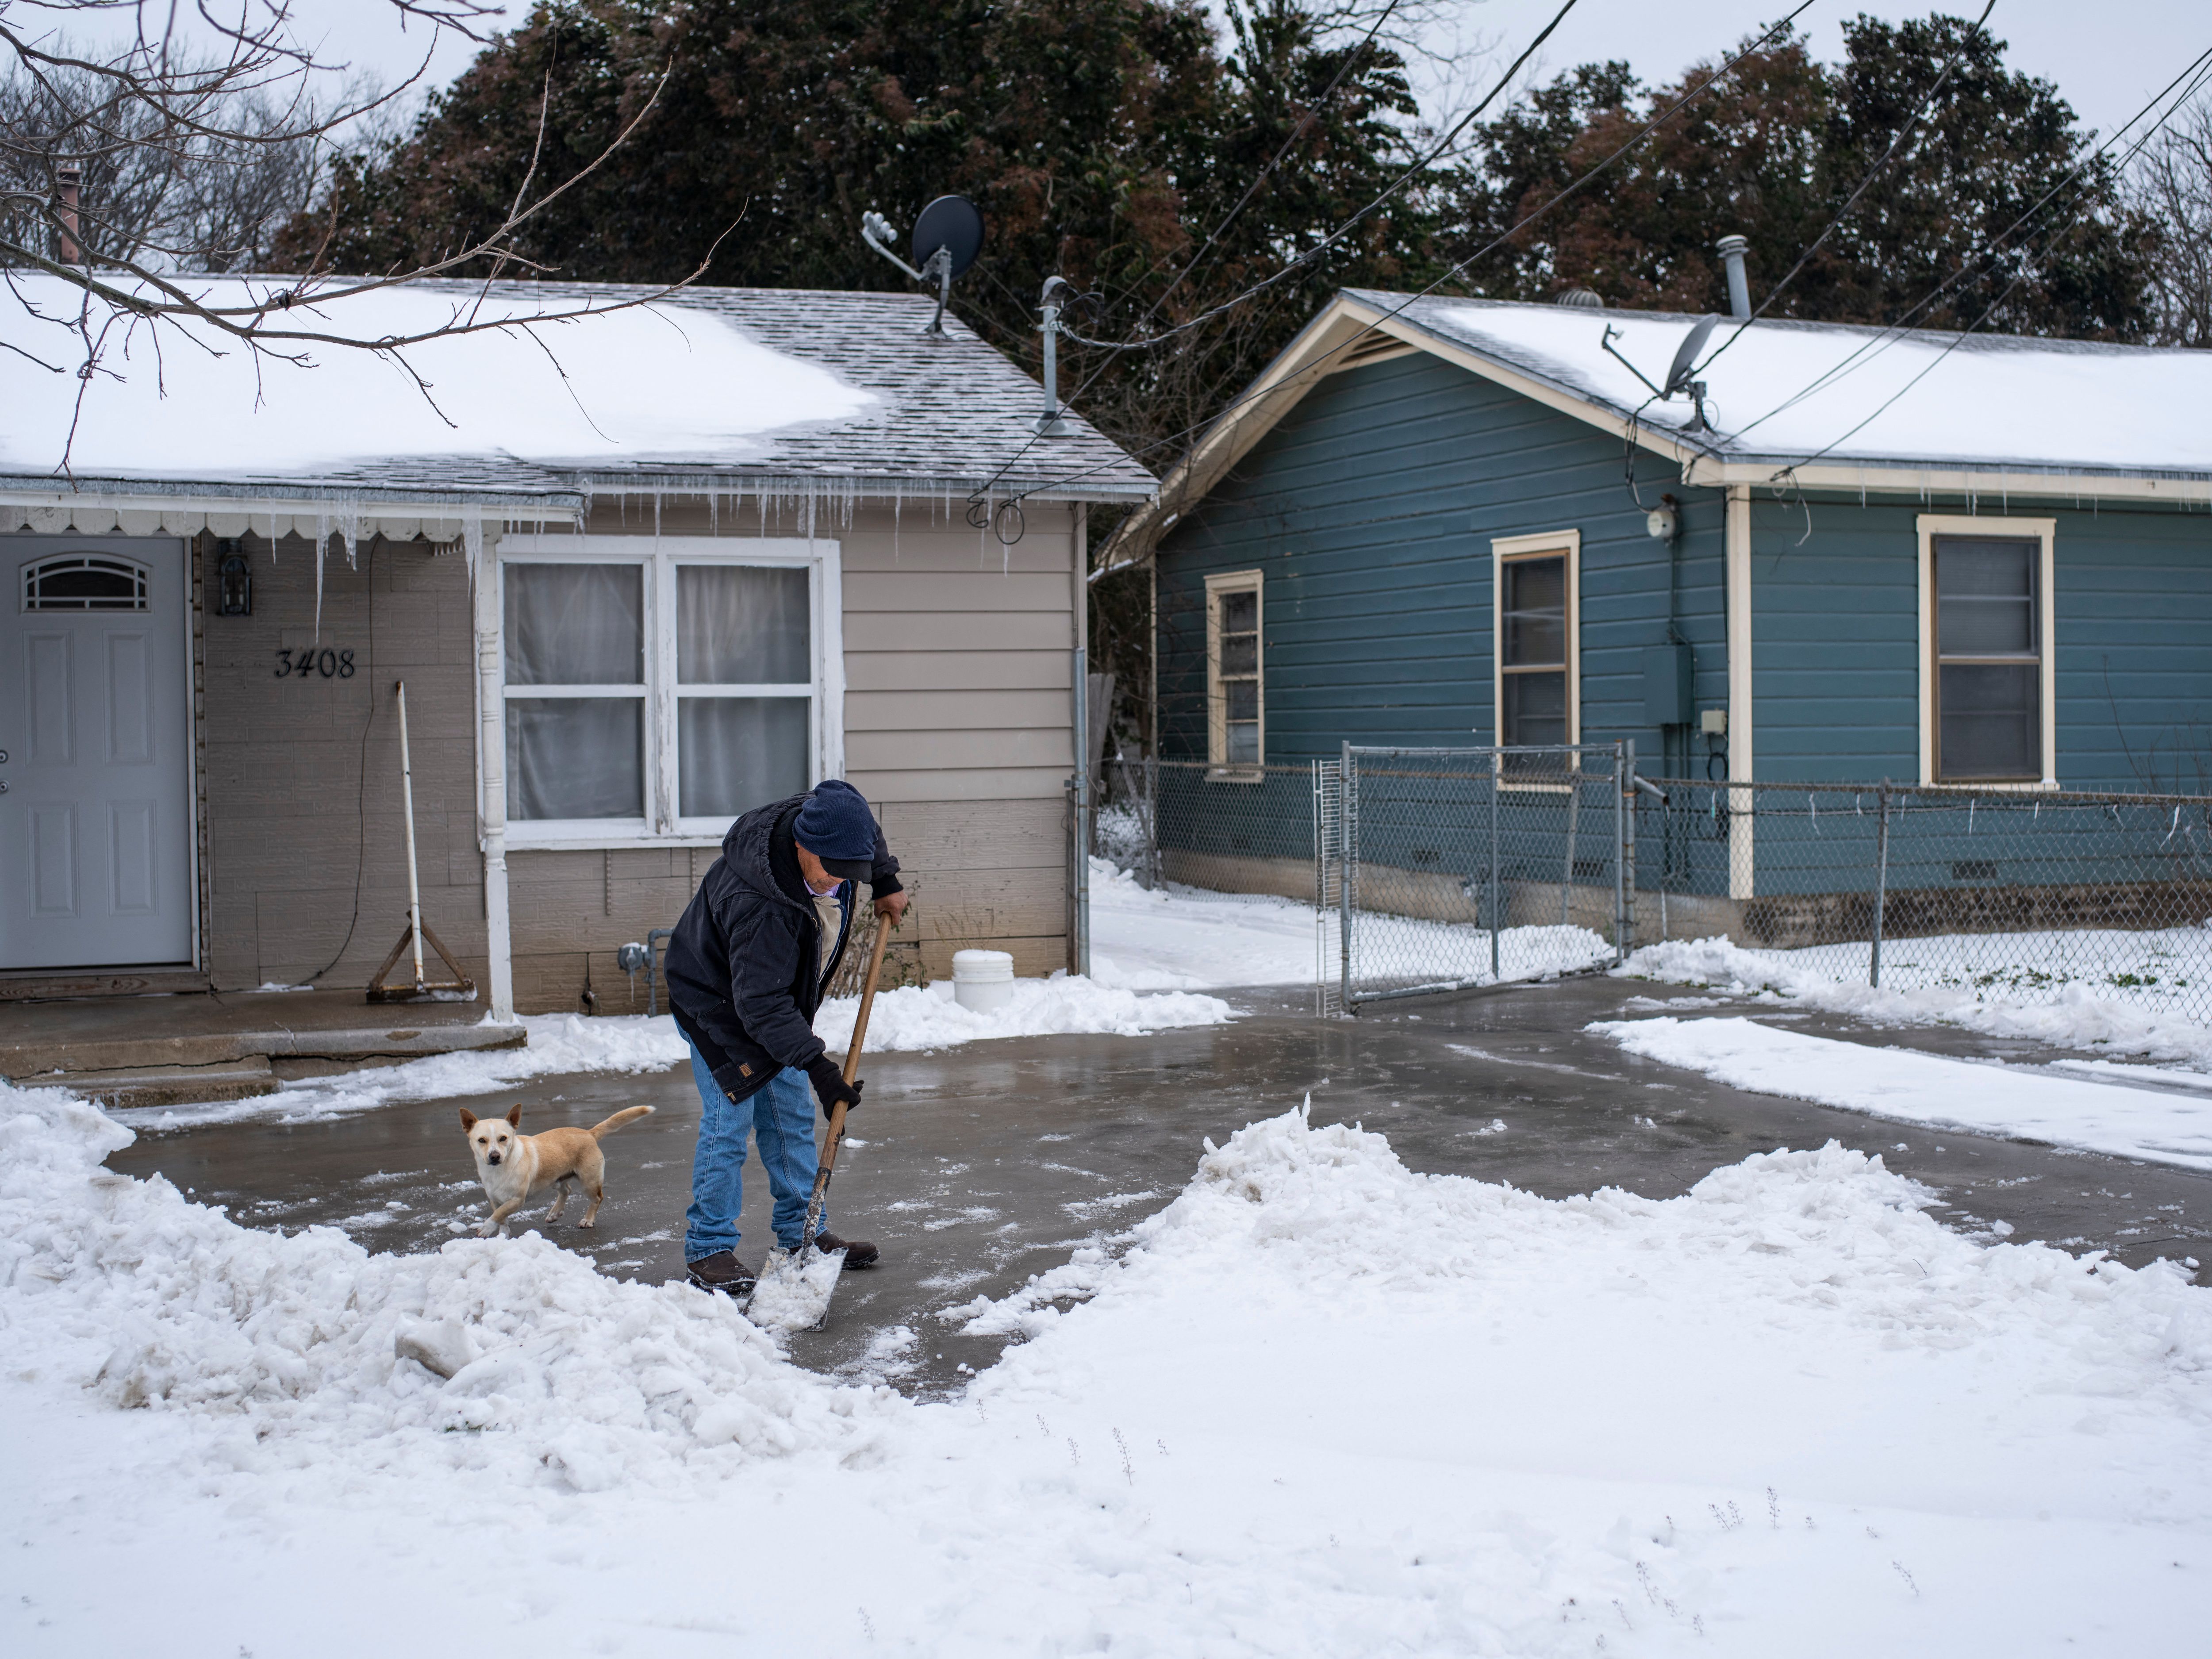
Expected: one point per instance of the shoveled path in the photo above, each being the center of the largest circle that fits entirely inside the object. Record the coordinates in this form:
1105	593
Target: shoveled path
979	1166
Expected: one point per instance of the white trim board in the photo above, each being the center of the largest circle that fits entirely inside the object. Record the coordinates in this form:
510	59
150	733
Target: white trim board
1741	855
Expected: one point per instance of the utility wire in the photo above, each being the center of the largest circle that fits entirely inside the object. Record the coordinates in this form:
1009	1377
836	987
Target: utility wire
1218	231
2199	68
1835	223
2004	294
1454	272
1344	229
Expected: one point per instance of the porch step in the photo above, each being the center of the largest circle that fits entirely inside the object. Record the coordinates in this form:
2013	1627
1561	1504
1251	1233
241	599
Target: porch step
25	1056
164	1085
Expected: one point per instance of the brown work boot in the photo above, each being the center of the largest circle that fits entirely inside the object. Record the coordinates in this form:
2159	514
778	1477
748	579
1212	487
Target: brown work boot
858	1253
722	1271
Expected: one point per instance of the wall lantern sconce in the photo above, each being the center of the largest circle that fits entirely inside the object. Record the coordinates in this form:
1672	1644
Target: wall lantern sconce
234	581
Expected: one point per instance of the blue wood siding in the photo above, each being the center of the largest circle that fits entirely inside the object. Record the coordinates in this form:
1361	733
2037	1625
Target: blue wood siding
1371	510
1836	641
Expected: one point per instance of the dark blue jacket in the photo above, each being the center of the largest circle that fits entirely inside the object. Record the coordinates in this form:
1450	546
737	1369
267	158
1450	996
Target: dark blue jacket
742	964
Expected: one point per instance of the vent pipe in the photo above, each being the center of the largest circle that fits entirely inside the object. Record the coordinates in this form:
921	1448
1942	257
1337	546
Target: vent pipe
1731	251
69	179
1051	424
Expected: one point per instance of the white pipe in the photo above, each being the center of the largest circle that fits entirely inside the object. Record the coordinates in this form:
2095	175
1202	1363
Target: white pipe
407	800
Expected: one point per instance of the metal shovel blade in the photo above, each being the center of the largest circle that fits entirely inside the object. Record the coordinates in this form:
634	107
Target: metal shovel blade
795	1295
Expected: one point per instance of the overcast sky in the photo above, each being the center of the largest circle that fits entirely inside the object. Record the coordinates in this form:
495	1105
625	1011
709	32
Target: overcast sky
2107	58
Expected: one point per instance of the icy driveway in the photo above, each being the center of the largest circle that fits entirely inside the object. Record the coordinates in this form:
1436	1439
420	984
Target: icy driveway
976	1167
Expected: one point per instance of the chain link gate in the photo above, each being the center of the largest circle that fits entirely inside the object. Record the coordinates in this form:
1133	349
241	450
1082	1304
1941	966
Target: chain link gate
1449	869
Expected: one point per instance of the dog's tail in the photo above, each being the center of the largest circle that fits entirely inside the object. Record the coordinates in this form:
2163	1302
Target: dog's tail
628	1115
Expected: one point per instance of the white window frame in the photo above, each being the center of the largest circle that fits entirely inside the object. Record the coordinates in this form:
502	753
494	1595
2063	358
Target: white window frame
1506	549
2044	531
659	823
1220	767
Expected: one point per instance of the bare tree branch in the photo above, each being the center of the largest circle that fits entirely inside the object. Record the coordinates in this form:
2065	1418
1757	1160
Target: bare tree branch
128	171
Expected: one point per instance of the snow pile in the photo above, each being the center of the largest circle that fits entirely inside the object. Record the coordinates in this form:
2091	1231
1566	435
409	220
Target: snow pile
926	1017
2164	1126
560	1045
1834	977
125	1288
1322	1404
670	379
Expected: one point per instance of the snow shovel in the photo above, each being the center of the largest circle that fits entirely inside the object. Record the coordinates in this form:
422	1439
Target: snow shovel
794	1290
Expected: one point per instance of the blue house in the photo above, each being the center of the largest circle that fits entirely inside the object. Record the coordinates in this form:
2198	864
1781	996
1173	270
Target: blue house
1833	555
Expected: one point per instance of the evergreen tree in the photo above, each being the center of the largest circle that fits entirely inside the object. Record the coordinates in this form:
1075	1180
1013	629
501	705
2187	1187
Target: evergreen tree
1775	152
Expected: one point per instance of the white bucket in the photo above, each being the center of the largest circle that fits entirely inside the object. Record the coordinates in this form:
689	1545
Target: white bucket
982	981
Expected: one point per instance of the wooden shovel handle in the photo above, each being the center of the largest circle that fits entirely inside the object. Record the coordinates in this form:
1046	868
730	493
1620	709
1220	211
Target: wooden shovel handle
836	1131
867	997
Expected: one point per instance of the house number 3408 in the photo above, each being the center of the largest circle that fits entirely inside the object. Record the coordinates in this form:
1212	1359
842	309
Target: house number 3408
327	663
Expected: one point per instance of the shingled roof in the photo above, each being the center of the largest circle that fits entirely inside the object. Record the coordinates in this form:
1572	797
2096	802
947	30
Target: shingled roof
789	391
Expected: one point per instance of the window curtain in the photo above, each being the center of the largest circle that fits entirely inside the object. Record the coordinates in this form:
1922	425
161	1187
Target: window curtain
576	624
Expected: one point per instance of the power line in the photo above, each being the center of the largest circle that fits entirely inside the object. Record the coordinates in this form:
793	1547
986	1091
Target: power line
2004	294
2199	68
1453	273
1835	222
982	494
1346	227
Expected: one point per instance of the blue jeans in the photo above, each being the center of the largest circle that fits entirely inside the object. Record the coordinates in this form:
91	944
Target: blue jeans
782	1116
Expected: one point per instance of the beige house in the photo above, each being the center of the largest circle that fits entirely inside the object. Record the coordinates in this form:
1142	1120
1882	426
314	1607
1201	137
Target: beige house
637	573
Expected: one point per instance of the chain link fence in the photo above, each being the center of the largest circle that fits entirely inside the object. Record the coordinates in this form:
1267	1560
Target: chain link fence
1466	867
1249	829
2028	896
1428	870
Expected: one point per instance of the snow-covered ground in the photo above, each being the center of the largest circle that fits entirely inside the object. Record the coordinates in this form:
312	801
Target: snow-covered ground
1178	937
927	1017
570	1045
1321	1406
1185	939
2021	988
560	1045
2131	1110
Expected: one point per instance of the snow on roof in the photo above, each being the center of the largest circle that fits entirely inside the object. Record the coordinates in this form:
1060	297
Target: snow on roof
1789	391
719	384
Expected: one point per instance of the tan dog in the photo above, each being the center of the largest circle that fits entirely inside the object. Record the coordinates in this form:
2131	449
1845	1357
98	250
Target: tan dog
513	1166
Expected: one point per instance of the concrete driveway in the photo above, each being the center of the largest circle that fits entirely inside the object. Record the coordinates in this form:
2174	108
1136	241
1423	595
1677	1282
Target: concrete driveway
974	1168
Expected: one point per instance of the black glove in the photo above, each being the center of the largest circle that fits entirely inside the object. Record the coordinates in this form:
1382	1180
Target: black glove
829	1084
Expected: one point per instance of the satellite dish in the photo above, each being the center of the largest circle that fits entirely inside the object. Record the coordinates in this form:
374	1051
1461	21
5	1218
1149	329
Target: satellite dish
1685	360
954	224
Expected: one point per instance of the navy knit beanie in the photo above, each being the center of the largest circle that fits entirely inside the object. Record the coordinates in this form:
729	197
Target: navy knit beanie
838	828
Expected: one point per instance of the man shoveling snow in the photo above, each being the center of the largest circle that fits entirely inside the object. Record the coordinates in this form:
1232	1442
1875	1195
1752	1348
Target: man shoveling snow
747	966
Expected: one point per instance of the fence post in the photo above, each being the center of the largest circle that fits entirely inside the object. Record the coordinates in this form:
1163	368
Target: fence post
1347	827
1623	848
1496	759
1574	817
1880	881
1321	828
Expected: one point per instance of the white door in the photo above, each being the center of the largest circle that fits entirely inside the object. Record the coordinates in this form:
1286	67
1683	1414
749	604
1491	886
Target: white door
95	754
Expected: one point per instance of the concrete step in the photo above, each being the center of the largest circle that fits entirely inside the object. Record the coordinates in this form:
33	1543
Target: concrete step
29	1055
165	1086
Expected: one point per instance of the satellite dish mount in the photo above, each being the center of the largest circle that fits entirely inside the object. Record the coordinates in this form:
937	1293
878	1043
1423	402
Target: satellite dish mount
1679	372
947	237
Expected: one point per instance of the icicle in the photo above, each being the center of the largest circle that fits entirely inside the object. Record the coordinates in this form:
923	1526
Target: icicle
898	499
